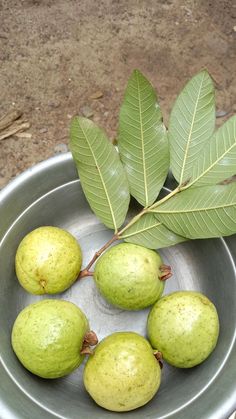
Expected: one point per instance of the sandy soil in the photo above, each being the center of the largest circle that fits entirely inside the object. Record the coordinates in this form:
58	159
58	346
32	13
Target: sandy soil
56	54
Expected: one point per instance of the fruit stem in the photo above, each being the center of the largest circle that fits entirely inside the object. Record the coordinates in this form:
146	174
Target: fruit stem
85	271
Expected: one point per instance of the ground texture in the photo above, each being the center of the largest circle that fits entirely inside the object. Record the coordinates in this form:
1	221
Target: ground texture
56	55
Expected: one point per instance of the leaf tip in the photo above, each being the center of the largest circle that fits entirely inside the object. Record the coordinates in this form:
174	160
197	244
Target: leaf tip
205	71
75	121
136	72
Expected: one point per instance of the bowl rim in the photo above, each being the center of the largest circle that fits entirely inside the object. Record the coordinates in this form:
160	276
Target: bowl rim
32	170
228	400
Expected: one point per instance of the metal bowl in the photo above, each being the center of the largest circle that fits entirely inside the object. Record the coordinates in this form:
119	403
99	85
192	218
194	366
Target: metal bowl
50	194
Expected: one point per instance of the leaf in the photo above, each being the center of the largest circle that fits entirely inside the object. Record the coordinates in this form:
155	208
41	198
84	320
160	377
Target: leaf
151	233
142	140
209	211
192	123
217	161
101	173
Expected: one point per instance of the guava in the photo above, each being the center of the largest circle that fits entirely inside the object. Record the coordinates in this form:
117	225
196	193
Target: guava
184	326
130	276
123	373
48	260
50	338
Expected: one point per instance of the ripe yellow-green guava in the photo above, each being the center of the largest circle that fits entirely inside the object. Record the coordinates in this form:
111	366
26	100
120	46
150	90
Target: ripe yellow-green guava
49	336
123	373
184	326
48	260
129	276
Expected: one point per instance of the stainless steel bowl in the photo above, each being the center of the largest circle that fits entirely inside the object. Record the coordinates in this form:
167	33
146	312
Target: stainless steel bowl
50	194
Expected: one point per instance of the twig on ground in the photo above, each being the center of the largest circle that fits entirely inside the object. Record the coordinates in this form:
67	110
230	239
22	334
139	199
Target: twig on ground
14	129
9	118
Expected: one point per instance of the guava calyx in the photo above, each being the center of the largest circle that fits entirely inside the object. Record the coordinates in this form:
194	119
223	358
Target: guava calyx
165	272
159	358
90	339
43	283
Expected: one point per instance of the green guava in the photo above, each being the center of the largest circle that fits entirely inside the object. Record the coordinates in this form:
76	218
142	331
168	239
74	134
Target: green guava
123	373
184	326
50	338
129	276
48	260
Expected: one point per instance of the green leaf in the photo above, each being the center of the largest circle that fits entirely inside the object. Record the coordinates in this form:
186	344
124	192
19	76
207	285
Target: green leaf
217	161
151	233
192	123
142	140
209	211
101	173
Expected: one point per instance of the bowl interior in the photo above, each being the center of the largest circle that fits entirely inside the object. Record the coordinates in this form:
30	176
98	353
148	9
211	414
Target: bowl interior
203	265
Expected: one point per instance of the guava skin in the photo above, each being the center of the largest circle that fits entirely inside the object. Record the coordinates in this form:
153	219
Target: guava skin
184	326
122	374
128	276
47	337
48	260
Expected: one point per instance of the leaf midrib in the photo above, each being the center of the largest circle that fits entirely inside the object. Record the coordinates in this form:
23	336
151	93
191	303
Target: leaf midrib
142	143
190	132
212	165
103	183
140	231
194	209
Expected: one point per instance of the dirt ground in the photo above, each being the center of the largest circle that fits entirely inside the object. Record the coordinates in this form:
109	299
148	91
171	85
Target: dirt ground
56	54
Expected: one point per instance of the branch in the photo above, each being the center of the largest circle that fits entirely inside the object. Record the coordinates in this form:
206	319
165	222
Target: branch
118	236
133	221
85	271
161	201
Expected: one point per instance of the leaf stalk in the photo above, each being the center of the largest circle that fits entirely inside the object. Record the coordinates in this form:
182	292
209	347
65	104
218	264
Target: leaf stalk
86	271
118	235
161	201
